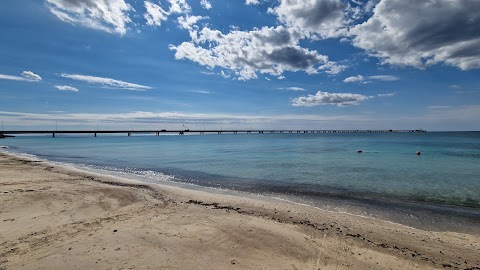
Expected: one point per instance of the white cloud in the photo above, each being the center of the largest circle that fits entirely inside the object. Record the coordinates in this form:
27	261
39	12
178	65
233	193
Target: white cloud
224	74
205	4
208	72
268	50
188	22
358	78
453	118
66	88
26	76
252	2
385	78
179	6
155	14
31	76
173	120
323	18
422	33
110	16
455	86
106	82
200	91
293	88
323	98
387	95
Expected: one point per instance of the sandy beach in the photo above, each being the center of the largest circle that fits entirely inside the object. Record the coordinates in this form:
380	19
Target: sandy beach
55	217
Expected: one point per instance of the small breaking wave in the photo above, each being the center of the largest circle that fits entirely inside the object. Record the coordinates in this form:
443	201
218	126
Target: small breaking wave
153	176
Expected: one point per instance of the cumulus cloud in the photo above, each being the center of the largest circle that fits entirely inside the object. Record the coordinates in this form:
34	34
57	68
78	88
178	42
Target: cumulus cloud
179	6
252	2
66	88
269	50
106	82
422	33
205	4
110	16
225	75
26	76
324	98
326	18
189	22
455	86
155	14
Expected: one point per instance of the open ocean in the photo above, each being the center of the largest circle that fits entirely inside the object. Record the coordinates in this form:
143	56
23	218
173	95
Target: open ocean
438	190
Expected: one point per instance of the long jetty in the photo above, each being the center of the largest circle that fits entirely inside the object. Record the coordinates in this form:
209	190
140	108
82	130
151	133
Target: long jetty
11	133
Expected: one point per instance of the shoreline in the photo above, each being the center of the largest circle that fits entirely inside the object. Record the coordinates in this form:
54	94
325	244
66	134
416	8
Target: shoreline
415	214
278	231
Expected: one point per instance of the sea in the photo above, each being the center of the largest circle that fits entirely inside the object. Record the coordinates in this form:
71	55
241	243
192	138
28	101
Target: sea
436	190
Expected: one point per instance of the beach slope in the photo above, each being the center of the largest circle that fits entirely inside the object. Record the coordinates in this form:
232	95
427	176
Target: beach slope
54	217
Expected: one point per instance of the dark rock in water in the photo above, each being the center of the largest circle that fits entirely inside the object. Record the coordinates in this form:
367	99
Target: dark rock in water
419	153
359	151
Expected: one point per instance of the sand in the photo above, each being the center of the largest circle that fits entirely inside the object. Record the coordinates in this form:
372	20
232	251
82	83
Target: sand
55	217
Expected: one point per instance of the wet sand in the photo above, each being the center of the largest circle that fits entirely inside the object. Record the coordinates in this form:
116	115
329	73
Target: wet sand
55	217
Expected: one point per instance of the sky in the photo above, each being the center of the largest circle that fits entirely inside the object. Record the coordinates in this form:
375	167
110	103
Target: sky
245	64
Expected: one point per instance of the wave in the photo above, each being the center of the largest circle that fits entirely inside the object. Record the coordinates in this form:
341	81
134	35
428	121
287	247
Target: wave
153	176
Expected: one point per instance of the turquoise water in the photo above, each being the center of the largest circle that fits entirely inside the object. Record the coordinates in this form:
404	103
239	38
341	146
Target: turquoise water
318	169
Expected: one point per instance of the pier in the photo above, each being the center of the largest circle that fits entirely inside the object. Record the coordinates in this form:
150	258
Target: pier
11	133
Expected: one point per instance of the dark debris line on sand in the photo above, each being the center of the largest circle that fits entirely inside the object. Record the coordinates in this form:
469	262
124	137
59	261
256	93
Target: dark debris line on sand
338	231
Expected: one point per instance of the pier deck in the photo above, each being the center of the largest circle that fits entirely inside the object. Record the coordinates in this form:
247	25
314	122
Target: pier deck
9	133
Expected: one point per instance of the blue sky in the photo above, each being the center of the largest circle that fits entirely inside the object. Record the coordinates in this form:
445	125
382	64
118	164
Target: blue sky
319	64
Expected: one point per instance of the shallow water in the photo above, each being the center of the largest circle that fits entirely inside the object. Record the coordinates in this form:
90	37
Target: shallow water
441	187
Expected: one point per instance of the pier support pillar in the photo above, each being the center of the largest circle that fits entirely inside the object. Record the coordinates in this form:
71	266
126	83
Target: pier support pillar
53	135
129	134
95	135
